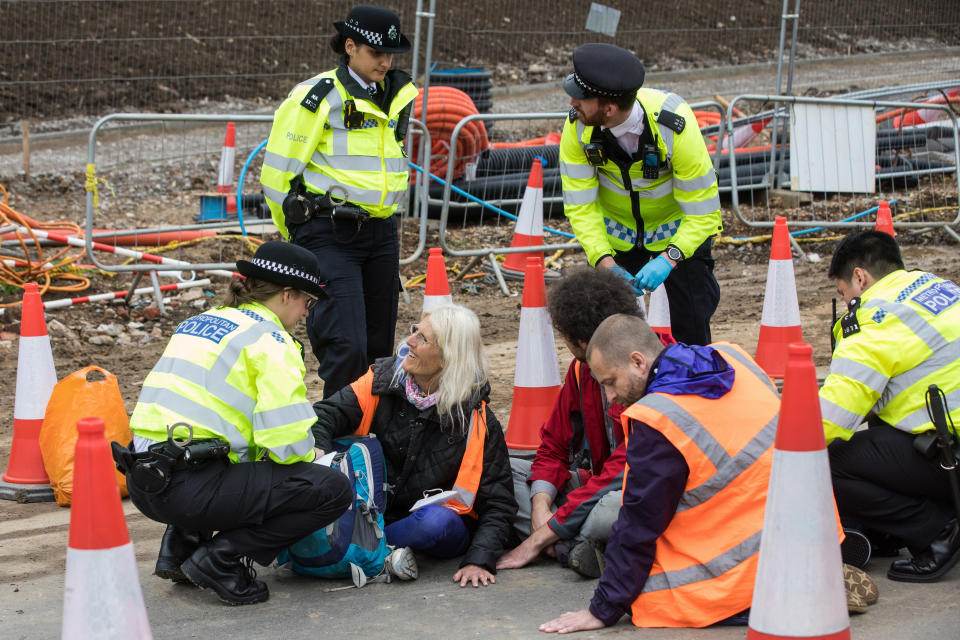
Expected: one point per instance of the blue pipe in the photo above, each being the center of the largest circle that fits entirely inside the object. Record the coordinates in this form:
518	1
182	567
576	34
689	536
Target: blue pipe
243	173
420	169
815	229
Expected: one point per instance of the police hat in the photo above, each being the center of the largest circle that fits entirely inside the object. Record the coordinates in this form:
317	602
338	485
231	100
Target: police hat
285	264
603	70
374	26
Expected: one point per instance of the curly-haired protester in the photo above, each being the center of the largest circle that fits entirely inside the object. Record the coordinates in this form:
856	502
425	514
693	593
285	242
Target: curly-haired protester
570	494
428	406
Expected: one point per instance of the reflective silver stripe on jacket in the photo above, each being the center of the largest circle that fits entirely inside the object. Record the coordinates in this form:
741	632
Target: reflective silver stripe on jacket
359	163
670	104
300	448
708	571
843	418
749	364
860	372
912	320
937	361
282	416
199	414
727	467
699	207
282	163
577	171
921	417
705	181
578	197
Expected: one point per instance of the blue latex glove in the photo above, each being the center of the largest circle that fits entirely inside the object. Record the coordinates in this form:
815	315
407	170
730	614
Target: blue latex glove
623	273
653	274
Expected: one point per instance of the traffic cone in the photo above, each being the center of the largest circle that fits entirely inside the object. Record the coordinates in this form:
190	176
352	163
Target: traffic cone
228	156
101	595
536	381
780	322
528	230
436	290
658	315
799	590
884	219
26	479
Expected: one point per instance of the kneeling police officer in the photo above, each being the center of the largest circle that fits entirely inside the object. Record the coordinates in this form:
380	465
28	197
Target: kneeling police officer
222	440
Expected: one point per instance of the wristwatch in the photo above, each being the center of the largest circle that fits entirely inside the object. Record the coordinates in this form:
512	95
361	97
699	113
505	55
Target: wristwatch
674	253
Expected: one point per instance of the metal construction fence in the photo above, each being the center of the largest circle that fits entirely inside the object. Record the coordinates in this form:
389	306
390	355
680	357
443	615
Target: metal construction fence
60	59
828	162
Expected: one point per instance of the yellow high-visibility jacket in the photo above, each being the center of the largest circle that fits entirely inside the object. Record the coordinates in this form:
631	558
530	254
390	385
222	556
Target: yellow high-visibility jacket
338	139
233	374
905	338
680	207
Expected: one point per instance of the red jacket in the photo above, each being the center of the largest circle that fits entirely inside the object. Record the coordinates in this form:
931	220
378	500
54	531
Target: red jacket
551	468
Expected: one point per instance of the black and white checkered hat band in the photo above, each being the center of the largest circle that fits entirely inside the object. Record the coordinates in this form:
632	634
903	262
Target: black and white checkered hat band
589	89
372	37
276	267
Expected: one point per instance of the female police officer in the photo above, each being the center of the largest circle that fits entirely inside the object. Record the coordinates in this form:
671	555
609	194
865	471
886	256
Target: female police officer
338	137
234	376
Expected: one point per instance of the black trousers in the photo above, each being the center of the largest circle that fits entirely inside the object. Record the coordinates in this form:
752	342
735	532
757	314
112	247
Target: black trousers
692	290
881	483
260	507
362	269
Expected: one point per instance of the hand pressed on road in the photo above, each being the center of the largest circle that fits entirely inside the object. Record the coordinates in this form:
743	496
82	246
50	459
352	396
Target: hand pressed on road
572	621
476	575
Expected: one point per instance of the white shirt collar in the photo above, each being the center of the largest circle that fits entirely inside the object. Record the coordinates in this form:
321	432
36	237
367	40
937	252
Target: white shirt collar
633	124
360	81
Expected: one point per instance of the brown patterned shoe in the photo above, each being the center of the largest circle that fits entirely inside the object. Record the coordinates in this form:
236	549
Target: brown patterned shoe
857	582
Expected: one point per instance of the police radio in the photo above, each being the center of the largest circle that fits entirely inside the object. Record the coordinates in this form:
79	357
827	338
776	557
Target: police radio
651	162
595	154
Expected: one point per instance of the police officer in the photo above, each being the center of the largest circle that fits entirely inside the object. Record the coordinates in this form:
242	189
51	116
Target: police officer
222	433
333	174
639	187
901	334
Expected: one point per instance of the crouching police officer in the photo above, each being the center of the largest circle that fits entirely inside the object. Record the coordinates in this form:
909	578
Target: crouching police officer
222	438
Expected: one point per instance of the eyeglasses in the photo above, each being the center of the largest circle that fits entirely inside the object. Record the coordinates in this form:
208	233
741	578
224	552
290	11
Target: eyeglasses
421	339
310	299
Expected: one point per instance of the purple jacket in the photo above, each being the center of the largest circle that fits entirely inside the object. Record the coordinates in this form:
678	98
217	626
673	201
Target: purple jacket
657	477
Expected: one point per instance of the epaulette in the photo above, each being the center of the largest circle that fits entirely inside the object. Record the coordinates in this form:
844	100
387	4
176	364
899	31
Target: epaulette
572	115
849	324
315	96
672	121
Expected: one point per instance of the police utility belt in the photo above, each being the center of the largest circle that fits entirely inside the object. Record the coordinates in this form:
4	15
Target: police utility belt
300	205
152	470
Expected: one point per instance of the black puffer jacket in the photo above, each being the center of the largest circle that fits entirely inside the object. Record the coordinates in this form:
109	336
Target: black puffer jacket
424	452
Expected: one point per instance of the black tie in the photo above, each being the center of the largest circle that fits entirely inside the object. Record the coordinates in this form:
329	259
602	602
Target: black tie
373	92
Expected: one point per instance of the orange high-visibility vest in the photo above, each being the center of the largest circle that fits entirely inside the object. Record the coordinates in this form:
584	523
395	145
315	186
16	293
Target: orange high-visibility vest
706	559
471	467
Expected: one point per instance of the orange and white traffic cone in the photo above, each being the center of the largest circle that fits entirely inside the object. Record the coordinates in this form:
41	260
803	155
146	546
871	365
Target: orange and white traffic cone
228	156
536	381
101	596
658	315
528	230
884	219
26	479
436	290
799	590
780	322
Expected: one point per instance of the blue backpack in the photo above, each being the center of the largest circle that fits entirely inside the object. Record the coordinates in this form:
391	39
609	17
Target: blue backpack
356	538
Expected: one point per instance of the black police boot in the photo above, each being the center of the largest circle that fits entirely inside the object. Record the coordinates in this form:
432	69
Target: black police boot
218	566
933	562
176	546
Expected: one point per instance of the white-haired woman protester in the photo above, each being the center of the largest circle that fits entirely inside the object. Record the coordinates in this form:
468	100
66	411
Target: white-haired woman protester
427	405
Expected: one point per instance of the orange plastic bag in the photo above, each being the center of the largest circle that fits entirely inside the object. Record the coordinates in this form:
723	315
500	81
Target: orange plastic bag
73	398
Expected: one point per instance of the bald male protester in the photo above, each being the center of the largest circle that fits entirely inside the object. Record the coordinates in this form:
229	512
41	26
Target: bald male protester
639	187
700	424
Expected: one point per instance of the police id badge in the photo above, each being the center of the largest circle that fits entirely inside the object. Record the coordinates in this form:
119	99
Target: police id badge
849	324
